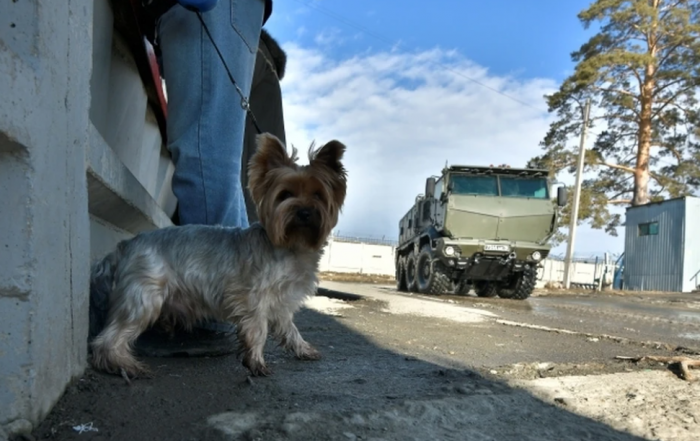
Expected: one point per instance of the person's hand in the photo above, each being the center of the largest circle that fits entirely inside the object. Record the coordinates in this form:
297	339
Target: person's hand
198	5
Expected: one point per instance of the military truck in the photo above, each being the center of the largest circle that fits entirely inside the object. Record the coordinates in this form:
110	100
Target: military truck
486	228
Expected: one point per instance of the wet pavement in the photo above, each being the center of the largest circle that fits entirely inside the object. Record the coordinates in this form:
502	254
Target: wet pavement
673	319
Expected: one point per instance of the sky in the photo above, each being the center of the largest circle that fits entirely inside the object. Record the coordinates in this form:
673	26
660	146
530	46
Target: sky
421	84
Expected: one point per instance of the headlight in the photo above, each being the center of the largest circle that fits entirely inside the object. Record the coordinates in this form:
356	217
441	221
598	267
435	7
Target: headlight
449	251
536	256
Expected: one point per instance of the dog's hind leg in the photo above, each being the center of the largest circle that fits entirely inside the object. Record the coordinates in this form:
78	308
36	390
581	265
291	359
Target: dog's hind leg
133	309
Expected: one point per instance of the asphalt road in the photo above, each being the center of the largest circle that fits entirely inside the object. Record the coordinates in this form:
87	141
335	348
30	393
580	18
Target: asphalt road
409	367
628	321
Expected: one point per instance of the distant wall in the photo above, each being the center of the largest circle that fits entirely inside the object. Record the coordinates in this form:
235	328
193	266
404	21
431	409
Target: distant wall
363	258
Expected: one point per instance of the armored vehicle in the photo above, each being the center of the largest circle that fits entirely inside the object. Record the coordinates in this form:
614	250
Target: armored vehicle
486	228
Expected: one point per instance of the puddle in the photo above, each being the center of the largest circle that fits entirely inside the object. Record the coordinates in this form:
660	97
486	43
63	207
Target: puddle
690	335
672	313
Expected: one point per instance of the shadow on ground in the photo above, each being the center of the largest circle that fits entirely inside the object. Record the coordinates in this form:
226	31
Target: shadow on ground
359	390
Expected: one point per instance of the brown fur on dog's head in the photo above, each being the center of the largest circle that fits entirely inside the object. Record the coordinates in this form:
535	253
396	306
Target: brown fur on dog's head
297	205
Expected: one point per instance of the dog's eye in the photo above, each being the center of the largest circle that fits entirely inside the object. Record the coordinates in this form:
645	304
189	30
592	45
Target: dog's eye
318	196
284	195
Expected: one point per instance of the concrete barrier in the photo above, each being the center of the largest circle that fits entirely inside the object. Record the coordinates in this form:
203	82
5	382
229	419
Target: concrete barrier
82	166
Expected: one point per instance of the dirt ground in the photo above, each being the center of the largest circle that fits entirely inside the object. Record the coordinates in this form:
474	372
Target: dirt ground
396	367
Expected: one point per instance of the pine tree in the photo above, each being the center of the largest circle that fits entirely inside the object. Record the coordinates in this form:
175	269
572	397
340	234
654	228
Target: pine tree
642	74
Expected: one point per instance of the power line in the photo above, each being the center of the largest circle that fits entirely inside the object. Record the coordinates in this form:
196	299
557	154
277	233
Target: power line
387	41
383	39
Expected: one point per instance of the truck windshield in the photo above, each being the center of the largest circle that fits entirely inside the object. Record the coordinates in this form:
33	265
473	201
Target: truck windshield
524	187
481	185
511	186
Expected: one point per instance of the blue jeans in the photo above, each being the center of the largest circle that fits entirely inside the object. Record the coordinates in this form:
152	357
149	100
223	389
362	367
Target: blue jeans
206	123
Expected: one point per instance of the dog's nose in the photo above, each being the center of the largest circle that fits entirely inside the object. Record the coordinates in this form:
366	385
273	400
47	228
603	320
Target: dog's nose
304	214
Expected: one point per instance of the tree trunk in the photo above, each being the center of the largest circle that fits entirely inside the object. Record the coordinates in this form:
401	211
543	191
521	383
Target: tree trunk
641	175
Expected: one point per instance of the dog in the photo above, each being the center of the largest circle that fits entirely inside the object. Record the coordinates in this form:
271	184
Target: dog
255	278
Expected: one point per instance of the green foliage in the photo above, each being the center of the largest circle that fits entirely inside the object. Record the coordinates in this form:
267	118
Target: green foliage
641	72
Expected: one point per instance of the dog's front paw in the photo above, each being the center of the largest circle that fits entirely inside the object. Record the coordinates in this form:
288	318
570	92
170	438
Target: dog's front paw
260	370
257	368
308	353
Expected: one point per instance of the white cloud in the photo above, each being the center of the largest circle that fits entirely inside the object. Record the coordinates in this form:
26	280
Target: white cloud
329	37
402	116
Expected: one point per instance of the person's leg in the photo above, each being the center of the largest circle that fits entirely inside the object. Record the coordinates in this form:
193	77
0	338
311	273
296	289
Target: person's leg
205	120
205	131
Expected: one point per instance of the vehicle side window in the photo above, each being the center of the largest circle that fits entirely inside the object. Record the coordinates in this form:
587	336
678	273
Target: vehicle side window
438	188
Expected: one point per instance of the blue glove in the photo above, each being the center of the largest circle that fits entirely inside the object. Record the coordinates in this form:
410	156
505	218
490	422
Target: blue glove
198	5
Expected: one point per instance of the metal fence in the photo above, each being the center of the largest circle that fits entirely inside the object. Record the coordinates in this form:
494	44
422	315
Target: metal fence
366	239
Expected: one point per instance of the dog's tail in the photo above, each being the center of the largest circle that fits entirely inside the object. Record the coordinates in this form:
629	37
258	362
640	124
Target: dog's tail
101	284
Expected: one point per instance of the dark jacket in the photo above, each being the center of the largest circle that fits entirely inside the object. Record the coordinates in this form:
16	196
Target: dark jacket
266	105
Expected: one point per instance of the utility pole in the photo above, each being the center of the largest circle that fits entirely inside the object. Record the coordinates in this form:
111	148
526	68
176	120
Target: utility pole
577	198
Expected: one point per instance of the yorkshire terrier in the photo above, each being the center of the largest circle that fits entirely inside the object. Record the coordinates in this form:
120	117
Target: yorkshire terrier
255	278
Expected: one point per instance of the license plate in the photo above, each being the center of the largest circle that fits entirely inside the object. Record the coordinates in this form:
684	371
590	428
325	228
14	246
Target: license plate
504	248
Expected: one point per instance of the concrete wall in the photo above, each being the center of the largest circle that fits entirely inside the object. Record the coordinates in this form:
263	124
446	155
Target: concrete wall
129	169
361	258
691	249
364	258
44	240
121	117
82	166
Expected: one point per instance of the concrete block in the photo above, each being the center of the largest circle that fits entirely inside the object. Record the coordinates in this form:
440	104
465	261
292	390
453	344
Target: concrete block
45	64
19	427
103	30
121	113
103	238
115	195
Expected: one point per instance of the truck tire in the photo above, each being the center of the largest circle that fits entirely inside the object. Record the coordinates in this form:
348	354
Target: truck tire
462	288
431	274
485	289
401	284
411	272
521	287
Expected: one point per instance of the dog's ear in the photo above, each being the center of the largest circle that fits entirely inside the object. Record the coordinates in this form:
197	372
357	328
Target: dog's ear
326	161
329	156
270	153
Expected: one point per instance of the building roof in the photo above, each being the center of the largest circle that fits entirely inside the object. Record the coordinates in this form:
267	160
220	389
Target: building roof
661	202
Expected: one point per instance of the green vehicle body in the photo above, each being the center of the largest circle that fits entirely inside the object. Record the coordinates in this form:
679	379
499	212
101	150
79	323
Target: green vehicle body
486	228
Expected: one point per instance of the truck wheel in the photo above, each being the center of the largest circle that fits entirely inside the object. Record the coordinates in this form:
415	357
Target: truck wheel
411	284
521	286
401	274
485	289
431	274
462	288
